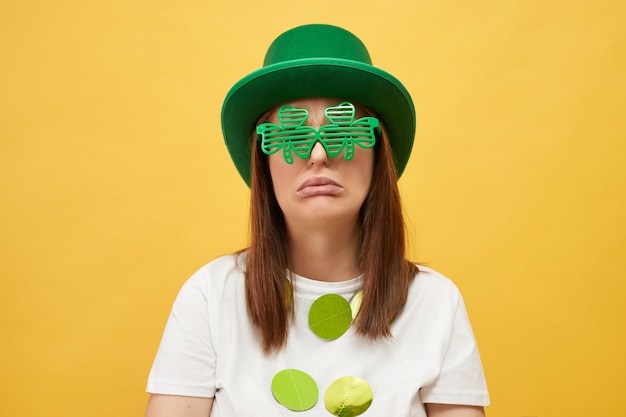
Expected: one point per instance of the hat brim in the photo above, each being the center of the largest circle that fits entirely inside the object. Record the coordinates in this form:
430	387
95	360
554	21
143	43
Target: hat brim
320	77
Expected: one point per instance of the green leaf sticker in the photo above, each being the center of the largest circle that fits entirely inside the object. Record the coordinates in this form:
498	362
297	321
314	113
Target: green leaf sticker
349	396
355	303
295	390
330	316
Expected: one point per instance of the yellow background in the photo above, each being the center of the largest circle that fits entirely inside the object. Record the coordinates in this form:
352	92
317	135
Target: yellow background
115	185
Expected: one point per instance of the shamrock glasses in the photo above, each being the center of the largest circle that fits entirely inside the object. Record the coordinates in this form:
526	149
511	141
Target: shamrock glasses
292	136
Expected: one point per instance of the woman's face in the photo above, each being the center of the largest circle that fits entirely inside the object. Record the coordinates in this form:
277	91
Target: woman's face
321	190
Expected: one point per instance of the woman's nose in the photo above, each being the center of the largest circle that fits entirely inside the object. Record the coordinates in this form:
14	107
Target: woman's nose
318	154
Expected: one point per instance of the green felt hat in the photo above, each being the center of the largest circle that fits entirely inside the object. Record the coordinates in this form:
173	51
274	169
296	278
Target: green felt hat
316	61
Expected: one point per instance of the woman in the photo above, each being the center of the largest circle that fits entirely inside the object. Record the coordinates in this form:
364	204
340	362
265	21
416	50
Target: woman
322	315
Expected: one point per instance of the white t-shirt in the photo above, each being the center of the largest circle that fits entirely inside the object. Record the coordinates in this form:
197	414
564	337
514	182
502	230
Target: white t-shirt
209	349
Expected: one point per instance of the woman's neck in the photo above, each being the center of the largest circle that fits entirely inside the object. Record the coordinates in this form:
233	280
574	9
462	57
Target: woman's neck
325	254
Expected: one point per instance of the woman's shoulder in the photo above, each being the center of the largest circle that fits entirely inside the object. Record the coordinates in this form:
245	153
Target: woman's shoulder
226	263
433	299
431	282
219	272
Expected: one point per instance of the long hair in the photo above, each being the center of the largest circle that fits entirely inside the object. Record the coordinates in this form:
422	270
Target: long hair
386	272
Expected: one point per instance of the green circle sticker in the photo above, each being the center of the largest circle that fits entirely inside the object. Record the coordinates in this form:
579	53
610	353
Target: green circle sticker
295	390
330	316
355	303
349	396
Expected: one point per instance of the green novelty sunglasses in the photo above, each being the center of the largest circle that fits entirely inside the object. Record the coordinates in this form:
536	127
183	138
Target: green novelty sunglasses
292	136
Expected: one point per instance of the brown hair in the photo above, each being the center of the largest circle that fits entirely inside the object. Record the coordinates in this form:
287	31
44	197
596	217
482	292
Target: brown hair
386	273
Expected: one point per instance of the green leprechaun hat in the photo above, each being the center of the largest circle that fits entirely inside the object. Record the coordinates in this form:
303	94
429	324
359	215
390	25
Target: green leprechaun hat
317	61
